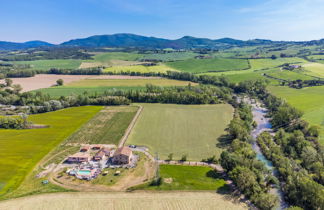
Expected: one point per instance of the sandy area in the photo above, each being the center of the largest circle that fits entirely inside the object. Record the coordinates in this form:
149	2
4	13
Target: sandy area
135	200
48	80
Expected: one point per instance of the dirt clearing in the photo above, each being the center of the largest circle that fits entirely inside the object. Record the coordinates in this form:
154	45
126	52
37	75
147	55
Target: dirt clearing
136	200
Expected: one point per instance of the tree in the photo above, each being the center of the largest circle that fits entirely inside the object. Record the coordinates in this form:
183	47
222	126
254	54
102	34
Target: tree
183	158
170	156
273	57
8	82
59	82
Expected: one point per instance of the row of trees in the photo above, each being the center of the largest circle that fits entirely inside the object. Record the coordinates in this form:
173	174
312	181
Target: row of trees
250	175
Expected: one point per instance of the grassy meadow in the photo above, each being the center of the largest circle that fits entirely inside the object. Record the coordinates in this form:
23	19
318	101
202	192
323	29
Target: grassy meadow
181	129
310	100
48	64
21	150
139	68
314	69
208	65
179	177
172	56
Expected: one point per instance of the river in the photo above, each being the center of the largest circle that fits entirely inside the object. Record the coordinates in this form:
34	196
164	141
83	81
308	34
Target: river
263	124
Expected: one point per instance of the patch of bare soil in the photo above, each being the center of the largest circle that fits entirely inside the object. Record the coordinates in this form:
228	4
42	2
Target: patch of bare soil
45	80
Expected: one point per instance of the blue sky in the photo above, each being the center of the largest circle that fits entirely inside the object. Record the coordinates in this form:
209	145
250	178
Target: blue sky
60	20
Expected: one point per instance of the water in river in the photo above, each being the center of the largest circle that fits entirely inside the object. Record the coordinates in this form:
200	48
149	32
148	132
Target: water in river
263	124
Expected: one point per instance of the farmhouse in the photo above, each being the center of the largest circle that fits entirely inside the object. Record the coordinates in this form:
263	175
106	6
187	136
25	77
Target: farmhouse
99	155
122	155
78	158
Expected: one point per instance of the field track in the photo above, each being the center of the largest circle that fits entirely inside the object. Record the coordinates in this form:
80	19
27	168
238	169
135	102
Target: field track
136	200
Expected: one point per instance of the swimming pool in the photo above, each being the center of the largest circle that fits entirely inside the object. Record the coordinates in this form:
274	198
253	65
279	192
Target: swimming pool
84	172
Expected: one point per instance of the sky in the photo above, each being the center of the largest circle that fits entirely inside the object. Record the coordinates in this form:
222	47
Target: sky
57	21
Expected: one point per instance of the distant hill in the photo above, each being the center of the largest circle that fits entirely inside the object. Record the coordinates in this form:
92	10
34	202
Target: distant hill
133	40
24	45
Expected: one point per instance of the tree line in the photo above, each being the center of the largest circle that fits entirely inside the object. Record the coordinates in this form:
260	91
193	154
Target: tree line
249	174
294	150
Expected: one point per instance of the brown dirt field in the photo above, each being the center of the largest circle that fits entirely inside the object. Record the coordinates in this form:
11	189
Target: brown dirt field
44	80
47	80
121	201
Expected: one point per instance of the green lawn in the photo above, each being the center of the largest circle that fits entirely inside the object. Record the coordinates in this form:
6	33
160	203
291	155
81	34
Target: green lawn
258	64
208	65
309	100
21	150
181	129
178	177
127	82
48	64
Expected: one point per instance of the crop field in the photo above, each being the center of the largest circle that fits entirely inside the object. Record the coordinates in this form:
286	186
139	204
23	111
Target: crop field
310	100
191	130
139	68
174	56
127	83
315	69
48	64
22	149
123	201
289	75
106	127
207	65
259	64
178	177
316	57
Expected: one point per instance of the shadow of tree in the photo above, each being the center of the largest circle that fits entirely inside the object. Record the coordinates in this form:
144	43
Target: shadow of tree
223	141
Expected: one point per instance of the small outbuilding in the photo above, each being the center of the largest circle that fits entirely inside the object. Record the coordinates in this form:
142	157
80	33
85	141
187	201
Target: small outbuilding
79	158
99	155
122	155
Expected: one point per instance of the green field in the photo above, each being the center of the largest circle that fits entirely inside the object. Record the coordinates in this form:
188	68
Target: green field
106	58
139	68
48	64
174	56
208	65
21	150
181	129
259	64
107	127
178	177
314	69
127	82
310	100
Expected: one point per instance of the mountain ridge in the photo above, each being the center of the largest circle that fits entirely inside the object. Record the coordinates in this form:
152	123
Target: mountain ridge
133	40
